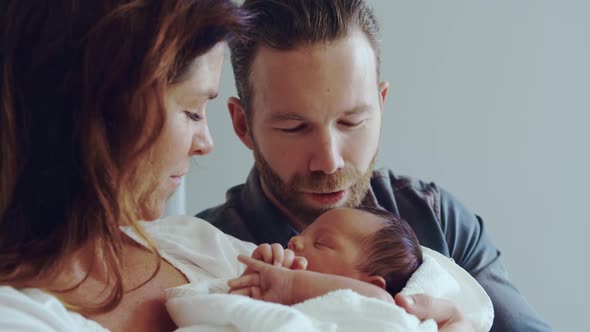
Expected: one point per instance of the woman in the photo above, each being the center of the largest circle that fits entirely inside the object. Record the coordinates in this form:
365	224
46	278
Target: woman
102	107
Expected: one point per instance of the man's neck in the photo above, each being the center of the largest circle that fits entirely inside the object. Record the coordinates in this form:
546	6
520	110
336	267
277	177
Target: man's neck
293	221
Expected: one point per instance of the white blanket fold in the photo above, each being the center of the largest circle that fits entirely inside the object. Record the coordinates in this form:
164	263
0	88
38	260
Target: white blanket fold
193	308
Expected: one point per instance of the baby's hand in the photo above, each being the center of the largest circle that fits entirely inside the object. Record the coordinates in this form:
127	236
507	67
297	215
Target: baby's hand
265	282
275	254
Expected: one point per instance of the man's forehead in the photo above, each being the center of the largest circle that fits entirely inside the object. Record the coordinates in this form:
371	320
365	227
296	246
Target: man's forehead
267	59
309	79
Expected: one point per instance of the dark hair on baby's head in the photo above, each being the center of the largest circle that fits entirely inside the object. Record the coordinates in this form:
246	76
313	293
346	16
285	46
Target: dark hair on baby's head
393	252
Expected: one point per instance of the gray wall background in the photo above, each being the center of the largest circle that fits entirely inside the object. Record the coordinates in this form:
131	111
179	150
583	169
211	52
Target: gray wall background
490	99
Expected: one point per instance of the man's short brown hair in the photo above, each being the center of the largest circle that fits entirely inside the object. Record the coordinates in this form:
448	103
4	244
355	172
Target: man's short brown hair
289	24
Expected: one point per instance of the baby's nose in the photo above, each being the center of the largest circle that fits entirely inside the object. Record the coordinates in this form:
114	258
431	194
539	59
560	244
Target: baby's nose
296	244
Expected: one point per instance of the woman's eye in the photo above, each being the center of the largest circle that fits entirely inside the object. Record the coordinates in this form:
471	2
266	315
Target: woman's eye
193	116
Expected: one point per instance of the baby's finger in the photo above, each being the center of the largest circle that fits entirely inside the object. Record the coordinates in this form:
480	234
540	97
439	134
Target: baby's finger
288	257
253	264
242	291
245	281
277	254
299	263
263	253
253	292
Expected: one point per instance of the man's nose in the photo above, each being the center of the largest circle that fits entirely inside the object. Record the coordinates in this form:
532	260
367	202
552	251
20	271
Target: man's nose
296	244
327	157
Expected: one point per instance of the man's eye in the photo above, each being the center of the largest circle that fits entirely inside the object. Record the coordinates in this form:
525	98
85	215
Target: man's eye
349	124
193	116
296	129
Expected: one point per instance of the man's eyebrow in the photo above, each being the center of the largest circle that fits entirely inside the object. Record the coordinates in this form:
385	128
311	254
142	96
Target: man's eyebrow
284	116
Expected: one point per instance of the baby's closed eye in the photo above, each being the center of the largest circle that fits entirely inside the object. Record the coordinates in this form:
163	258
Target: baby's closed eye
324	242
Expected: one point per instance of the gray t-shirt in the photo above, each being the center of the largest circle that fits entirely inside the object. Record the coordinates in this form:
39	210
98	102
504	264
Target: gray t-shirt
439	220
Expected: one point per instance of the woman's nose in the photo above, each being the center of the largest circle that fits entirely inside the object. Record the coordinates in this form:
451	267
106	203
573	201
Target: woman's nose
296	244
202	142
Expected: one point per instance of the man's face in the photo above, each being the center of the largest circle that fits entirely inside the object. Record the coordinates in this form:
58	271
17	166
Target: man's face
316	118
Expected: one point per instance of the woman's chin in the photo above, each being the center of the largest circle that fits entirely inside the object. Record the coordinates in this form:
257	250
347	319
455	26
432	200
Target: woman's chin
154	204
152	212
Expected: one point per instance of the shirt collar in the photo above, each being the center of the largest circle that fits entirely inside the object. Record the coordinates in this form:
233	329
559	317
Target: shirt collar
264	219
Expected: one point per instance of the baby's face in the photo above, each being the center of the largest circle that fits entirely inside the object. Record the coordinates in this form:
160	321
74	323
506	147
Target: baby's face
333	242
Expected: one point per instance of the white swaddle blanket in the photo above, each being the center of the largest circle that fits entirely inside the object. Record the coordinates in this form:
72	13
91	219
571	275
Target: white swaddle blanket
196	308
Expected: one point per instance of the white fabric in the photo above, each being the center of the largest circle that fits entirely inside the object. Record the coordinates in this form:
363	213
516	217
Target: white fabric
342	311
197	249
194	309
32	310
455	285
207	257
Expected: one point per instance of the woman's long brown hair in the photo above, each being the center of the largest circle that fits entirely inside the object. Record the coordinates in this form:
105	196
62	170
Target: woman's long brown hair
81	88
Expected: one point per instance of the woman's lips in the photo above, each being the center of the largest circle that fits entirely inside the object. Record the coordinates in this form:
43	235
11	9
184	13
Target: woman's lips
176	179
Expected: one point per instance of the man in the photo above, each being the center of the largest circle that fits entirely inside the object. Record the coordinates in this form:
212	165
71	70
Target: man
310	109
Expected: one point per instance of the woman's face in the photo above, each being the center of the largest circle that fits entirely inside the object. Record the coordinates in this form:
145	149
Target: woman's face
185	132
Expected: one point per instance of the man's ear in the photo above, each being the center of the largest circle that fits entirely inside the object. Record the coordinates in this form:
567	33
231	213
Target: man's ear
239	121
376	280
383	90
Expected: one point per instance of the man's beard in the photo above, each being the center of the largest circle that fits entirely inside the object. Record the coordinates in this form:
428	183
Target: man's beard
289	194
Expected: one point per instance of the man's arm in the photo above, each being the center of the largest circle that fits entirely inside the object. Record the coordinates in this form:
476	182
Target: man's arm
471	247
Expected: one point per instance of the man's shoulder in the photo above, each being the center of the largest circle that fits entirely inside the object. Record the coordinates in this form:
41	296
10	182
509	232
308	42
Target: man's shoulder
400	192
385	178
217	214
231	216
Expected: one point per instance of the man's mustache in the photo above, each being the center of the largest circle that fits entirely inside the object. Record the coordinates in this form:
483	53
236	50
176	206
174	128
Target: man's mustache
325	183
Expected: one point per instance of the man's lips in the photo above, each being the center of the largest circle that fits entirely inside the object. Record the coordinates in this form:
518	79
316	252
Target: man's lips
327	198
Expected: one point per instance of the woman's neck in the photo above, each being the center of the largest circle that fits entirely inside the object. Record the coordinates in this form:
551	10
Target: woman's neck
85	272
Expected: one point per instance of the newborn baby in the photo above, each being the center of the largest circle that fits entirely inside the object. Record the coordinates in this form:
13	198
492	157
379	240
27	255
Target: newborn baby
364	249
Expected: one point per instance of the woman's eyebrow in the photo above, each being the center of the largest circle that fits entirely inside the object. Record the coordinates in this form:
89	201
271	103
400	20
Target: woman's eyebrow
358	109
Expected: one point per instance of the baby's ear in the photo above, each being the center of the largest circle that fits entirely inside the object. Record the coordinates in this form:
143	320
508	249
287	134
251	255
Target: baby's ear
376	280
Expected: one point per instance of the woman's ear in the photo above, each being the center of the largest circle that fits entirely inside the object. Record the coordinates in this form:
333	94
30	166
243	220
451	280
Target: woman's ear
239	121
376	280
